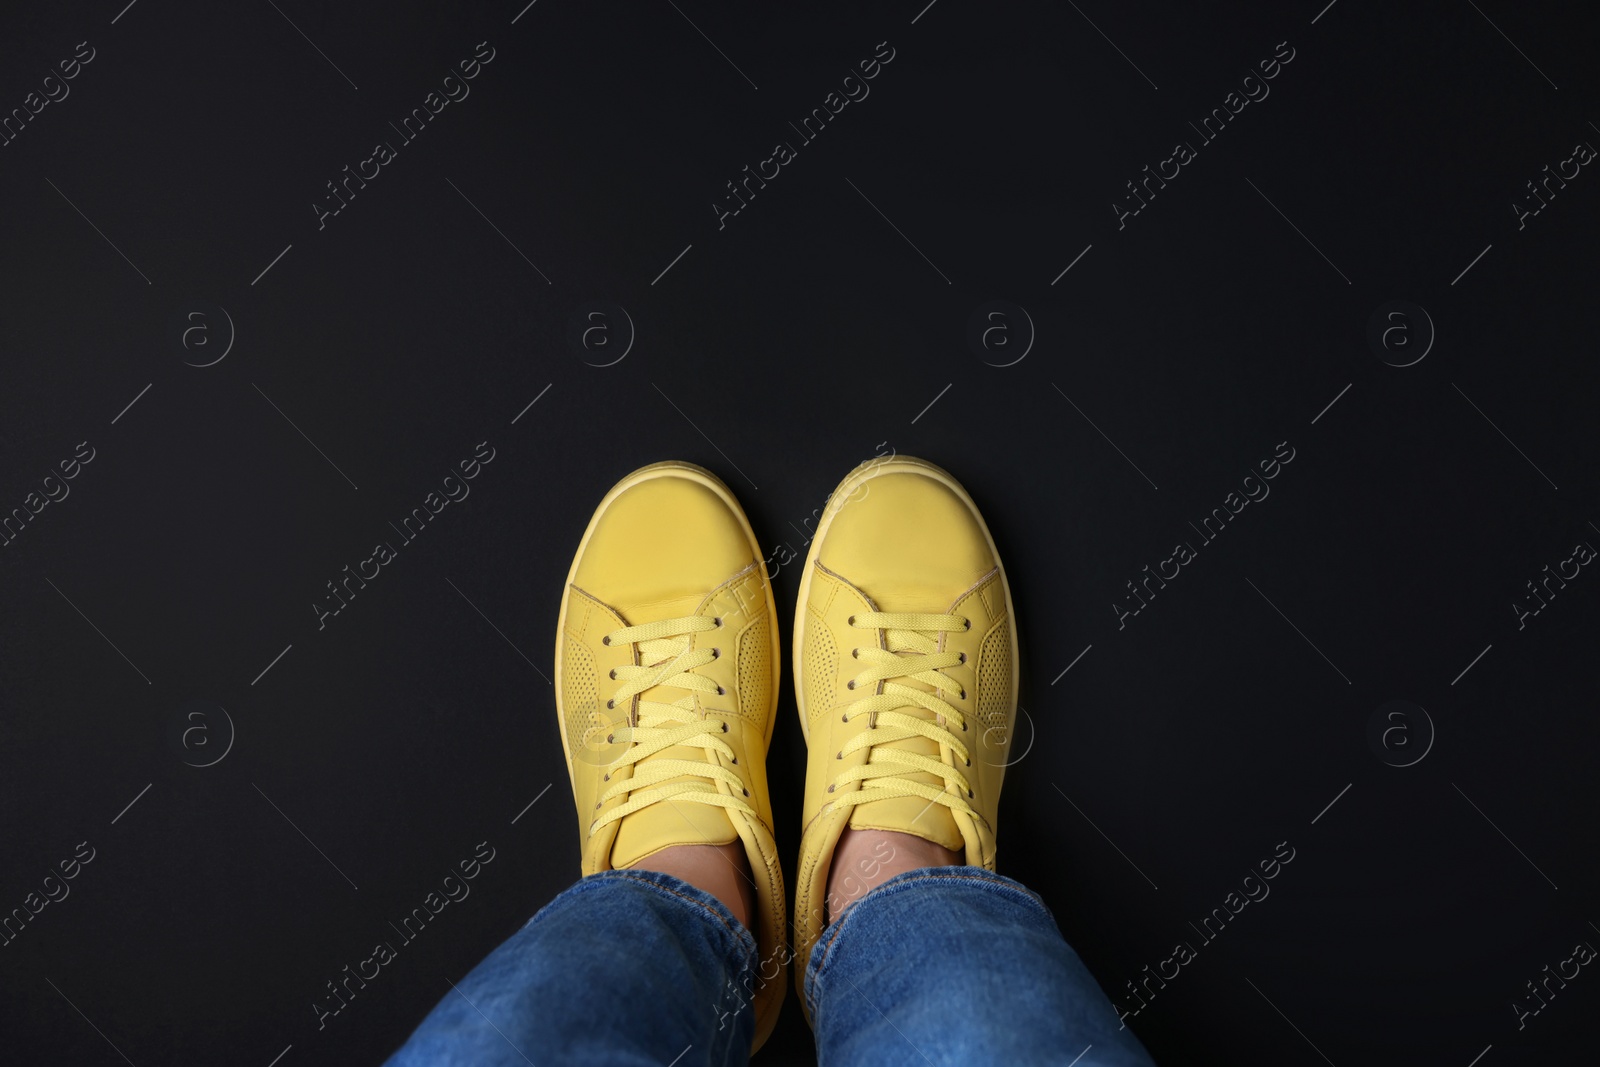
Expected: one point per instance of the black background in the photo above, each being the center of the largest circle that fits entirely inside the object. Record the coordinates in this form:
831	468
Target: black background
804	336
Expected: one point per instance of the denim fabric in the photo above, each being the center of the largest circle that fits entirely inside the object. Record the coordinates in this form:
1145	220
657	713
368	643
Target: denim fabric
624	968
958	965
945	965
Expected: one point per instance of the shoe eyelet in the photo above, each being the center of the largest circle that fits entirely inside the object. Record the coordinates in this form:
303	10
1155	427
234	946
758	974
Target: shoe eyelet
746	792
830	789
851	684
968	625
724	727
969	793
611	739
716	653
606	777
721	691
963	658
969	763
963	727
717	620
851	621
844	717
963	695
736	761
838	755
606	640
610	704
613	674
597	807
855	653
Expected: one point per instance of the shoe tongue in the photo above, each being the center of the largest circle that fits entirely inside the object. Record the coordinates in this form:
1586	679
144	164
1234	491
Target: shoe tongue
675	821
911	600
670	822
912	815
929	820
671	608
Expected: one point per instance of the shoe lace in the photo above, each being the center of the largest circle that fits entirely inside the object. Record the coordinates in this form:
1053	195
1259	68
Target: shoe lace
912	653
666	657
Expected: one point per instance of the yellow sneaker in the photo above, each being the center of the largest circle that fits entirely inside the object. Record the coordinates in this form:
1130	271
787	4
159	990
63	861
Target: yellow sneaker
905	671
666	686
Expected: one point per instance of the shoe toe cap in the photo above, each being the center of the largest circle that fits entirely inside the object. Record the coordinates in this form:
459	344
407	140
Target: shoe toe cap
908	538
662	544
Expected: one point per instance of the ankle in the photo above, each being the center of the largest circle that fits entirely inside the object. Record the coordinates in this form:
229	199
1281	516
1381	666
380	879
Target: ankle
721	870
865	859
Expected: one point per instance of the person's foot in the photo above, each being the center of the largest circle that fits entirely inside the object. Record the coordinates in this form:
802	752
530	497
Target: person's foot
906	678
666	686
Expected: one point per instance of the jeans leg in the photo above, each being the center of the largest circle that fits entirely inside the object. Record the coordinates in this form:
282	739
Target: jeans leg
958	965
624	968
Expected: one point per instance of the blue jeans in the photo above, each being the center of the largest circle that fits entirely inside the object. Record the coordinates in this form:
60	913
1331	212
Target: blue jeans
945	965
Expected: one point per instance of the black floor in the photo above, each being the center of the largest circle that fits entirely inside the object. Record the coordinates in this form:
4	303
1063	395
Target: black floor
1333	377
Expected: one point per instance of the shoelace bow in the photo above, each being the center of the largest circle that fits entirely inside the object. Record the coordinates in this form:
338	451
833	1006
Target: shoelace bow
667	658
913	654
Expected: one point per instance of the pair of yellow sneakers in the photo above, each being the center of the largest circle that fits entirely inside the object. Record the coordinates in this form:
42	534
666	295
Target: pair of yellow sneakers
667	680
